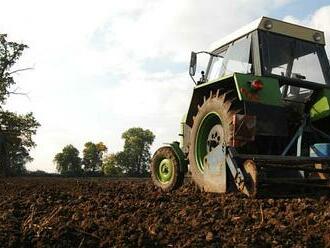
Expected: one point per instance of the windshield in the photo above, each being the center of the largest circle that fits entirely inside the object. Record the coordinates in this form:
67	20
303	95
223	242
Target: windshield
293	58
236	58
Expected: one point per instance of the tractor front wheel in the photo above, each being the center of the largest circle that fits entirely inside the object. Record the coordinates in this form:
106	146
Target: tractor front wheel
165	169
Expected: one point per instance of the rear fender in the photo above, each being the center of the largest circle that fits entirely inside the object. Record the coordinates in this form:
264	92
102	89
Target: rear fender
180	156
227	83
268	98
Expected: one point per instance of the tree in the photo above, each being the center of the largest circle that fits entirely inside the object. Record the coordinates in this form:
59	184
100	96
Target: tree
92	156
10	52
134	159
68	161
19	130
110	166
16	130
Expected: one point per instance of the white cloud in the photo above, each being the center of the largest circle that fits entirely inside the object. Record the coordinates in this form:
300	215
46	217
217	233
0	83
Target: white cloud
89	81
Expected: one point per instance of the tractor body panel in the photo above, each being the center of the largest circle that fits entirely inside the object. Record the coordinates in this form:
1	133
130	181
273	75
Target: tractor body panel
215	170
183	163
270	93
270	120
321	107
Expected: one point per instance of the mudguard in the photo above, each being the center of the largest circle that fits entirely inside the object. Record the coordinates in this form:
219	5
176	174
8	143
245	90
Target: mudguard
180	155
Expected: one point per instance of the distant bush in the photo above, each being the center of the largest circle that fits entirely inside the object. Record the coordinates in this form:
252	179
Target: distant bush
40	173
92	174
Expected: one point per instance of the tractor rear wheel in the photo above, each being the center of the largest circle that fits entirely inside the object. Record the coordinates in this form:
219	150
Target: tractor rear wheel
165	169
212	126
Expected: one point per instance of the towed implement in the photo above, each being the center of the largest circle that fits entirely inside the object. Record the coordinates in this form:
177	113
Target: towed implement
259	117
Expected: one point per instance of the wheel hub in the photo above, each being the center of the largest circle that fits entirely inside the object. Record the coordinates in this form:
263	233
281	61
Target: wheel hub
165	170
215	137
210	134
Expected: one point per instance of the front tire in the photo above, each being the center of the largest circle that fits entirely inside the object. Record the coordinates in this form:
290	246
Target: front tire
165	170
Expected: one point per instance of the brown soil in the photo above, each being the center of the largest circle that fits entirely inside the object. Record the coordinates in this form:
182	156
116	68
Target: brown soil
99	212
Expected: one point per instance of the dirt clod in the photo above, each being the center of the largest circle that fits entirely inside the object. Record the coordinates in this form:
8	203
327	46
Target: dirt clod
209	236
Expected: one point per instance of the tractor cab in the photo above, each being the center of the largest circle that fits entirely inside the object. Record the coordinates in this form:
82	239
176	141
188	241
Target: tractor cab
269	47
300	65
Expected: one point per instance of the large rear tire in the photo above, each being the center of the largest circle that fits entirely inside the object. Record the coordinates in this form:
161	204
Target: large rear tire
165	169
212	126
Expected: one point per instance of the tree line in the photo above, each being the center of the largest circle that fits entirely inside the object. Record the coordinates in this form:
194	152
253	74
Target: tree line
132	161
16	130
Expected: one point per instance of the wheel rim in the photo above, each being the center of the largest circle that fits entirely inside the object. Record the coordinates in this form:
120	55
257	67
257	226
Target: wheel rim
165	170
209	135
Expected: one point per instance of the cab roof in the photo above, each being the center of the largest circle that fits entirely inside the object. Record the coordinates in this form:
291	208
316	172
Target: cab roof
274	26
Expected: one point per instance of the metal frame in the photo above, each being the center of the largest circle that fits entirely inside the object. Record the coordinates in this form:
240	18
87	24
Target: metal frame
299	134
256	53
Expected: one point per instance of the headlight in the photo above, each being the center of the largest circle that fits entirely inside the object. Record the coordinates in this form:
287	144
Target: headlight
268	24
317	37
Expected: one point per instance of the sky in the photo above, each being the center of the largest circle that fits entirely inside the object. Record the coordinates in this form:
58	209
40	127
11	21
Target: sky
103	66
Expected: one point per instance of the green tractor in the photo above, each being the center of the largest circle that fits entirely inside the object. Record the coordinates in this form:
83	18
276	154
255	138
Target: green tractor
259	116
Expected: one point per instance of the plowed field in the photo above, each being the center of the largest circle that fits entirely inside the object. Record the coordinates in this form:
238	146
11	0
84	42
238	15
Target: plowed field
100	212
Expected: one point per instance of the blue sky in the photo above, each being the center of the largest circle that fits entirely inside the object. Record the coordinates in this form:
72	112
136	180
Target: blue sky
103	66
300	8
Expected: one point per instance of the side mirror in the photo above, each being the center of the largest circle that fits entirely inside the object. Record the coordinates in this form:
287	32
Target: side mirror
193	64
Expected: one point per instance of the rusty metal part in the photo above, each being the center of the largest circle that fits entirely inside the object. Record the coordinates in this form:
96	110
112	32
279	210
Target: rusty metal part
321	167
279	176
244	129
251	178
276	180
237	174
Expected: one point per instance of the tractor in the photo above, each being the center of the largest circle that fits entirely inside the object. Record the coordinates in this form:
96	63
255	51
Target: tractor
259	116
